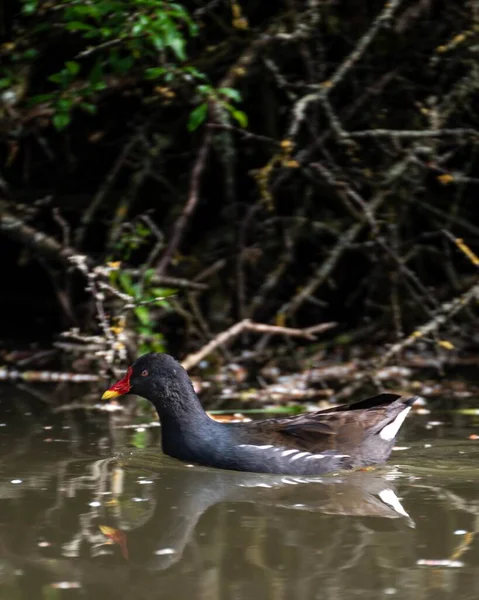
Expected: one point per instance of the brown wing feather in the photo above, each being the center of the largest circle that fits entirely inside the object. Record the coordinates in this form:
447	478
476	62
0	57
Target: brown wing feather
297	432
339	428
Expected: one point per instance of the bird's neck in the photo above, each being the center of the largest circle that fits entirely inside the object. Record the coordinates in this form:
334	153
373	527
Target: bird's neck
186	430
179	408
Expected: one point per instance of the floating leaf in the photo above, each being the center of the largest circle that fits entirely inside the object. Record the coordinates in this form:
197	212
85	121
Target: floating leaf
117	537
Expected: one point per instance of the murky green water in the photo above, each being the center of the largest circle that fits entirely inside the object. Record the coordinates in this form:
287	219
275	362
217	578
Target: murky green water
86	513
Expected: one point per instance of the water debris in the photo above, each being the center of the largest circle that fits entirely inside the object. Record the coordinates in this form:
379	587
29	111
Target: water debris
431	424
46	376
226	418
423	562
165	551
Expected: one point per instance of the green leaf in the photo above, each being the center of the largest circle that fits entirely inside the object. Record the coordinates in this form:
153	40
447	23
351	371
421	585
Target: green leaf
197	116
61	120
72	66
138	27
230	93
90	108
82	10
206	90
40	98
127	283
165	292
64	105
30	7
149	272
30	53
192	73
155	72
143	315
5	83
177	44
124	64
158	42
96	74
78	26
58	77
241	117
99	85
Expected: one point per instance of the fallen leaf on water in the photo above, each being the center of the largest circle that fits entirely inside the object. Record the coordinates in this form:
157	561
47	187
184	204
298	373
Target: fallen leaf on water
116	536
235	418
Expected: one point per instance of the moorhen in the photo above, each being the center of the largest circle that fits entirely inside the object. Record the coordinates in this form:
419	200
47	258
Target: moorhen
342	437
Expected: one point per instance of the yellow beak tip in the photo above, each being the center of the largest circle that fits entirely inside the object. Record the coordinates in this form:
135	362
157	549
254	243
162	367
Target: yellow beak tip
109	394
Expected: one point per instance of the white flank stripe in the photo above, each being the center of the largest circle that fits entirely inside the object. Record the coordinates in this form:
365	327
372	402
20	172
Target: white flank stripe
389	432
313	456
389	497
288	452
300	455
265	447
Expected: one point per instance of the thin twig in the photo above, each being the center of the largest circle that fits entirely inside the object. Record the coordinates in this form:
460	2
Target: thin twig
210	271
166	280
325	269
190	205
446	311
299	109
103	191
412	134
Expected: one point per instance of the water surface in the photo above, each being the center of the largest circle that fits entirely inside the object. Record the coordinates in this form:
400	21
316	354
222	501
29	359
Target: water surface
89	509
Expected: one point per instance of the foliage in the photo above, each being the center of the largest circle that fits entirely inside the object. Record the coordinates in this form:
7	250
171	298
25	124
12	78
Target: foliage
110	43
146	295
329	202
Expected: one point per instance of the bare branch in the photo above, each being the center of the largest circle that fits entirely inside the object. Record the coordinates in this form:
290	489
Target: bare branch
400	133
13	226
246	325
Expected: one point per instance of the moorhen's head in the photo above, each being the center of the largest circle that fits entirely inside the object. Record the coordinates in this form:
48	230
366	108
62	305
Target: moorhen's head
153	376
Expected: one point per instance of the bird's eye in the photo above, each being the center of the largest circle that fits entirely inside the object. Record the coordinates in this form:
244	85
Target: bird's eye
144	373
